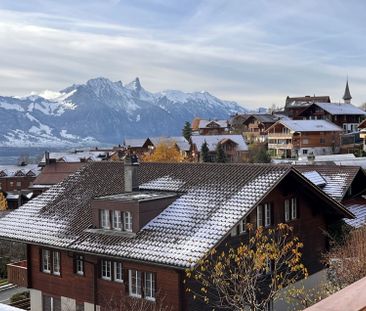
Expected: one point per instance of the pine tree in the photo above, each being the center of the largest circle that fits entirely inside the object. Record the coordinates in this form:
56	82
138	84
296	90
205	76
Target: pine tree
204	153
220	154
187	130
3	202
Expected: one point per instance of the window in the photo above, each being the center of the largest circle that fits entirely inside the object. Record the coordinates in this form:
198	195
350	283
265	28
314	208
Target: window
293	208
46	261
287	210
149	285
106	270
116	220
135	283
104	219
19	184
127	221
243	225
267	214
322	140
305	151
305	141
11	184
56	263
79	265
118	272
259	216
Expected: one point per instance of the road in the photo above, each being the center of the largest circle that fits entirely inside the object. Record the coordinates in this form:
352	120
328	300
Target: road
7	293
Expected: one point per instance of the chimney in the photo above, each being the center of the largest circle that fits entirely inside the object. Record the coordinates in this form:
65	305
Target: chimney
47	157
131	166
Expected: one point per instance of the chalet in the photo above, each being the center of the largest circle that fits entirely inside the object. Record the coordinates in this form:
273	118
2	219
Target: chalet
234	146
139	146
295	105
16	178
255	126
180	142
362	128
344	115
210	127
292	138
113	232
74	156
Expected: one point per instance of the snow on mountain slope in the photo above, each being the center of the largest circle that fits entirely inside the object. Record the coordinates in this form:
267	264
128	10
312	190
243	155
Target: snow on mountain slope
103	111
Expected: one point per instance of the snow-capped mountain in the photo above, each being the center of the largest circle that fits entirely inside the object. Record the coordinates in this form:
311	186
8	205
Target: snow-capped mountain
102	111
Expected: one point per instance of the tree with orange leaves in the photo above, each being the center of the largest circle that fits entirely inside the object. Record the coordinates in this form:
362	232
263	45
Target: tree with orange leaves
165	151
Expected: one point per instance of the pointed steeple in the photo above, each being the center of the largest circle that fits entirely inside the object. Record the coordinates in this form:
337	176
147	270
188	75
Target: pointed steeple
347	94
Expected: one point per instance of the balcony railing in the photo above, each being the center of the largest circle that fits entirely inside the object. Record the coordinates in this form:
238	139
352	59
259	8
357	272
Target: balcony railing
17	273
279	136
280	146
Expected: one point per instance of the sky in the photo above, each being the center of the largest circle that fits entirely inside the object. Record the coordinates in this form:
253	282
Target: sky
255	52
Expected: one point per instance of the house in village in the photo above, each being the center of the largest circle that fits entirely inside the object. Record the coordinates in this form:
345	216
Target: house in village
362	128
113	232
234	146
209	127
292	138
255	126
295	105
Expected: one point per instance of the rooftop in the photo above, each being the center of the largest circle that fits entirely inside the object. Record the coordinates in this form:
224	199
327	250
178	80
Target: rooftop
309	126
213	140
139	196
340	109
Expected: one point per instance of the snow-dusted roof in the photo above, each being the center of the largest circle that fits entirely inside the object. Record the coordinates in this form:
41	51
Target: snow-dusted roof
310	125
220	123
15	170
338	179
181	142
213	199
213	140
340	109
135	142
358	208
76	156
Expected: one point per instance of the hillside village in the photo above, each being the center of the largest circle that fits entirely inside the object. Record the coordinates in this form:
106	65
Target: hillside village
137	226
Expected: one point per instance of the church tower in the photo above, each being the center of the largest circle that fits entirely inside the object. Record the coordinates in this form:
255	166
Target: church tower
347	95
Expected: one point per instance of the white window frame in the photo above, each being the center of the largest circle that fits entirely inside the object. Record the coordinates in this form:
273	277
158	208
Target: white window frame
150	286
243	225
287	210
293	208
56	263
259	216
46	261
127	221
104	219
117	271
134	279
116	220
79	265
267	215
106	270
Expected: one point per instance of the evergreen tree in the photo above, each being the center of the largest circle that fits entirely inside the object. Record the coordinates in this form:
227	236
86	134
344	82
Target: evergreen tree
187	130
220	154
204	153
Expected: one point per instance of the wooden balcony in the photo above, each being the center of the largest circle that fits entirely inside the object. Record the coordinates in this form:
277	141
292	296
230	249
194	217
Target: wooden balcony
280	146
17	273
279	136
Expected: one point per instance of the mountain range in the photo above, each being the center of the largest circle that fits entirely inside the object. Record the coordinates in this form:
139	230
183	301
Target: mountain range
103	112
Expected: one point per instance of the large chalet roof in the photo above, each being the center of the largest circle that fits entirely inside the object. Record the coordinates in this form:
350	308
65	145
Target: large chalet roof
339	109
308	126
264	118
213	140
212	199
205	123
358	207
337	179
362	125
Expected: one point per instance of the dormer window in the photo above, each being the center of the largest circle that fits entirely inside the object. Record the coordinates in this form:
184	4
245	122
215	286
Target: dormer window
104	219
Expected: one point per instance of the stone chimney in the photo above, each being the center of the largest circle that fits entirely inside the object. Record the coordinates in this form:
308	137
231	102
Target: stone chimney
47	157
131	173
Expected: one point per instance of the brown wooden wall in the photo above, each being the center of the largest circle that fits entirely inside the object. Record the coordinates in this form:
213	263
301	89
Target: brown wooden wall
81	288
10	183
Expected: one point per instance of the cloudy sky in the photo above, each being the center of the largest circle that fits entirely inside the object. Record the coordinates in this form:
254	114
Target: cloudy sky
255	52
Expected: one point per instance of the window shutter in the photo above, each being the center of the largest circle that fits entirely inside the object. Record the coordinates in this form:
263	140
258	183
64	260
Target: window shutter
40	260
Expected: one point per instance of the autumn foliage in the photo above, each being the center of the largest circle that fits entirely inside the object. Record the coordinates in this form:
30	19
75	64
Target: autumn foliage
3	202
248	276
165	151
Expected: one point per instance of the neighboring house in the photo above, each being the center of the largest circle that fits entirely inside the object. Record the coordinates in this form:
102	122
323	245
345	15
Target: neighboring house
255	126
111	232
74	156
345	116
295	105
346	184
17	178
210	127
16	198
236	122
234	147
180	142
292	138
362	128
